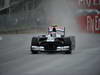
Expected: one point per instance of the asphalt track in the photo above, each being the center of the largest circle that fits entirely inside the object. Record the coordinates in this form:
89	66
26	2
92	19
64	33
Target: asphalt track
16	59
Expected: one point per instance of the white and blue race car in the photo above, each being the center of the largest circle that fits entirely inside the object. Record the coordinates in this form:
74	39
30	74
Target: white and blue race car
54	41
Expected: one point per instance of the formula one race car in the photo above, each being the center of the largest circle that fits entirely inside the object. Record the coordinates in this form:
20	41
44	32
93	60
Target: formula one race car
55	41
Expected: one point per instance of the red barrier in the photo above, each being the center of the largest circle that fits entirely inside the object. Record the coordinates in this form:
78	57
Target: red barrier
90	23
89	4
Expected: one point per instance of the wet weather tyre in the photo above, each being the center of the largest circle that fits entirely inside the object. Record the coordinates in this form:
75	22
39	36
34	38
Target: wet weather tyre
34	42
34	52
68	52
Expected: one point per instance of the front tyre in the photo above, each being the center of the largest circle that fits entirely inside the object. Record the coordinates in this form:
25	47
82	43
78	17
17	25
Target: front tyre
34	42
34	52
68	52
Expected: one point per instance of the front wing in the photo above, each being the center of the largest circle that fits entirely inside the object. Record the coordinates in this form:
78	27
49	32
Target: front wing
46	48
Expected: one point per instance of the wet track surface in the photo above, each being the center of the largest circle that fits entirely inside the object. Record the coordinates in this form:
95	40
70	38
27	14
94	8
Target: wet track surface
16	59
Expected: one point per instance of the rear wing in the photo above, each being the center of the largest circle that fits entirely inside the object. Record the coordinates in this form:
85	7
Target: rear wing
59	30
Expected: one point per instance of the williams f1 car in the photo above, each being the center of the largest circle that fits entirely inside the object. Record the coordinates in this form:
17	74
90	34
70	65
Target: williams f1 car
54	41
